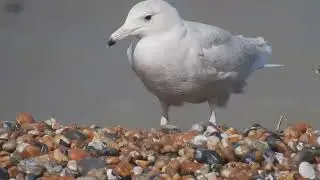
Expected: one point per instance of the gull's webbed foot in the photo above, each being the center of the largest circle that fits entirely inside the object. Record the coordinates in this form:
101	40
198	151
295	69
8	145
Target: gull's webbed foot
168	128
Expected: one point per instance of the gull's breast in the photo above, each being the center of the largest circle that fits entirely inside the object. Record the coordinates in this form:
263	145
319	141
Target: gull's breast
162	67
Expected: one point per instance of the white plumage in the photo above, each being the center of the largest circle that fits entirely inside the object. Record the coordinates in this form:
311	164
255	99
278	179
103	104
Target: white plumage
181	61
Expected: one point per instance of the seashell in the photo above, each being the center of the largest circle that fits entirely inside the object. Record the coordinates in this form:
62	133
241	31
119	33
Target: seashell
24	118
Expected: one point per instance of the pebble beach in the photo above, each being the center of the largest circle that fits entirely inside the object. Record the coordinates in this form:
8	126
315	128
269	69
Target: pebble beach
47	150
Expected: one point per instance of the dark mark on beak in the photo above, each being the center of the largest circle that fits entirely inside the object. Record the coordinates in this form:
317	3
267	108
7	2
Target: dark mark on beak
111	42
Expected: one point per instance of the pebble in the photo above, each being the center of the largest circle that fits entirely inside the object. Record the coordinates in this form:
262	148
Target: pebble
30	149
307	170
4	173
24	118
88	163
77	154
207	156
10	146
100	173
30	166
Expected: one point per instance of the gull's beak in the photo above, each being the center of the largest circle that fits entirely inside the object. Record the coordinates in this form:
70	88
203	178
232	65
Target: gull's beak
119	34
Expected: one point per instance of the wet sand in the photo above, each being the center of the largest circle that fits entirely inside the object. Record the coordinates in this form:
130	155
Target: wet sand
54	62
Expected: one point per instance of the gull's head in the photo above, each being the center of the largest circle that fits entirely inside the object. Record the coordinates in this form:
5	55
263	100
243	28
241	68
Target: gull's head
146	18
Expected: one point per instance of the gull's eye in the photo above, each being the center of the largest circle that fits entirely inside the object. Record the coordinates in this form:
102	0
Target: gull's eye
148	17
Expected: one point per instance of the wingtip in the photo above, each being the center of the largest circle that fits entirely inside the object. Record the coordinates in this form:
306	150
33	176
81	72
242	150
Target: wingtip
274	65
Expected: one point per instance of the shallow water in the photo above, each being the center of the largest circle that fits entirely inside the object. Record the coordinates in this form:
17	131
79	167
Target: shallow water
54	62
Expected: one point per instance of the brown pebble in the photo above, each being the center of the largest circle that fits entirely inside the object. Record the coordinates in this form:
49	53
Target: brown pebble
30	151
77	154
161	162
57	177
153	172
142	163
112	160
228	154
292	132
13	171
176	177
188	177
24	118
189	167
173	167
49	141
123	169
20	176
59	156
5	161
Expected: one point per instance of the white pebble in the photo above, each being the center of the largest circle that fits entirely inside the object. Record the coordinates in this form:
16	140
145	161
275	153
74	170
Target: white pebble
307	170
110	175
137	170
72	165
199	140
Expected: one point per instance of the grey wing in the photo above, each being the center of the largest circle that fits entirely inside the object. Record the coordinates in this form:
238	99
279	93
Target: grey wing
228	54
239	56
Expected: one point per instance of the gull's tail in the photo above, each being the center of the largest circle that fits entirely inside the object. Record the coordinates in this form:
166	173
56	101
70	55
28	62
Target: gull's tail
263	53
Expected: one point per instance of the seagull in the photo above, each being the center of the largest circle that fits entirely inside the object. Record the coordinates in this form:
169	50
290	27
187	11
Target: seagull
181	61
